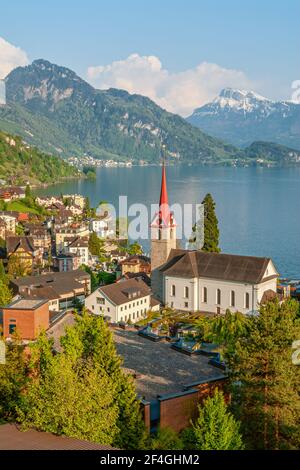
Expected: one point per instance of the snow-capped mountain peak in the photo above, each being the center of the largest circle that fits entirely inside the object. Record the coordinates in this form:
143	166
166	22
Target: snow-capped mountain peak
244	100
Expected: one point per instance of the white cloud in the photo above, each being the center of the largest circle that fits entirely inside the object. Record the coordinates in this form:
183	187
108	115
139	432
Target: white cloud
180	92
10	57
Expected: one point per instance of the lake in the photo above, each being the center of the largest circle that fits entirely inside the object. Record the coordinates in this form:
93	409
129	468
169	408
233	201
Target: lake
257	208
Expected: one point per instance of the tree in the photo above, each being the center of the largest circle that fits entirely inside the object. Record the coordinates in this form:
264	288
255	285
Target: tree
166	439
28	193
96	245
211	229
12	379
3	276
265	382
5	293
90	339
135	249
16	267
68	398
216	428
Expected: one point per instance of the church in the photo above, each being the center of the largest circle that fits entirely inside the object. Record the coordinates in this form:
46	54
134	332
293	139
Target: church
197	281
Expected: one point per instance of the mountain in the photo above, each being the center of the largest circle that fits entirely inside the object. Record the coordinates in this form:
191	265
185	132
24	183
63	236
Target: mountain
266	152
241	117
53	108
20	163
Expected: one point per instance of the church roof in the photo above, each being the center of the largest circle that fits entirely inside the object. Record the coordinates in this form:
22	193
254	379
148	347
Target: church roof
236	268
165	217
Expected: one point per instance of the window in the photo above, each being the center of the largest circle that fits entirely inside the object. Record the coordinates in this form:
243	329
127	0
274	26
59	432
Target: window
172	304
173	291
12	328
100	301
186	305
186	292
247	300
121	319
218	296
232	298
108	309
204	295
125	317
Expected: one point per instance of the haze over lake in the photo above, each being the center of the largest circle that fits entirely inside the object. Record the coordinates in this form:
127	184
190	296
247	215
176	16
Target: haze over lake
257	208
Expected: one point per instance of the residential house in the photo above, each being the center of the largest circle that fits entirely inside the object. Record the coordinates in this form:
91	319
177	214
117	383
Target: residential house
59	288
41	236
10	224
102	227
76	199
136	264
79	246
71	231
125	301
11	193
67	262
23	248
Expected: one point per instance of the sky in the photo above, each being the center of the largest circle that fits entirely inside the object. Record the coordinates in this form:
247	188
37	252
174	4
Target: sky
179	53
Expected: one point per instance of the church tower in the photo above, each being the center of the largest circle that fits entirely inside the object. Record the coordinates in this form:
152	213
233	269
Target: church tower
163	237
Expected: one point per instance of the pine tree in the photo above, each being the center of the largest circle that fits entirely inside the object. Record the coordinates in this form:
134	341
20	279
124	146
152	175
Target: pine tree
211	228
28	193
166	439
5	293
265	382
91	339
216	428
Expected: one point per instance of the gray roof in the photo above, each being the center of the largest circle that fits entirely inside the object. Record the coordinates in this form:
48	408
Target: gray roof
26	304
191	264
118	293
159	369
12	438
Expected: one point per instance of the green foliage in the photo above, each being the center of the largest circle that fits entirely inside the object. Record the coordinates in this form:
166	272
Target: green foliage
265	383
166	439
5	293
29	164
28	193
216	428
91	340
211	229
68	398
12	380
16	267
96	245
135	249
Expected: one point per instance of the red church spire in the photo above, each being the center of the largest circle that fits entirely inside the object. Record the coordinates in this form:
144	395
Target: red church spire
165	216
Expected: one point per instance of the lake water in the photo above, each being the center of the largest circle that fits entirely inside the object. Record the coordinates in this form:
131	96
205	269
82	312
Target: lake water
257	208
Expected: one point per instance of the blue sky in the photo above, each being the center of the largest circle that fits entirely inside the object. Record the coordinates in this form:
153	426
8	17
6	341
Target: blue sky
258	38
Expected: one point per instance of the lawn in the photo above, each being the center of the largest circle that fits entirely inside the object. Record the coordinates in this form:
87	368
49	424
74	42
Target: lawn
20	207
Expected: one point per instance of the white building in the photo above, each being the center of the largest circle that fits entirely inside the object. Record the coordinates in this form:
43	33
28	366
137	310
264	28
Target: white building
121	302
195	281
79	246
214	282
101	227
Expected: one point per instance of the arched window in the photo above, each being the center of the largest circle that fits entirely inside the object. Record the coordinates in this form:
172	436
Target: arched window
247	300
232	298
218	296
204	295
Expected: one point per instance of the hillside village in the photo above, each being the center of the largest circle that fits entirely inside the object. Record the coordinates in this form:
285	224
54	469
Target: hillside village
61	257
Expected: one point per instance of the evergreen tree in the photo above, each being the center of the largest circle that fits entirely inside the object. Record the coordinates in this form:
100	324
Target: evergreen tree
5	293
211	228
265	382
216	428
91	339
3	276
28	193
166	439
